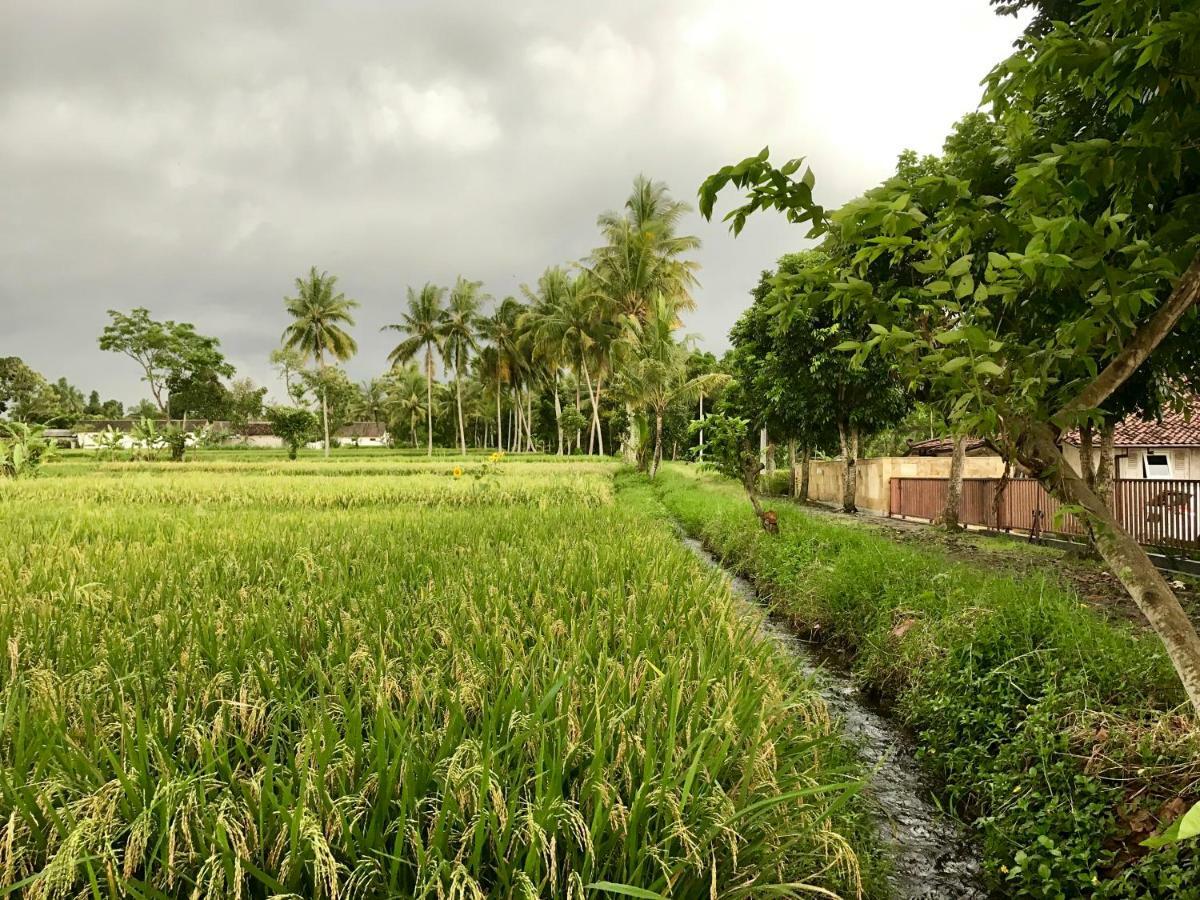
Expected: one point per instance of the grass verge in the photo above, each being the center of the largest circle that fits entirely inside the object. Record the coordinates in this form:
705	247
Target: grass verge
1061	735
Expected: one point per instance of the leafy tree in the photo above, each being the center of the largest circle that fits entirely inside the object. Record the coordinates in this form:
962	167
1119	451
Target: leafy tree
295	425
340	394
165	350
197	394
245	404
423	325
17	382
319	311
144	409
289	363
1037	307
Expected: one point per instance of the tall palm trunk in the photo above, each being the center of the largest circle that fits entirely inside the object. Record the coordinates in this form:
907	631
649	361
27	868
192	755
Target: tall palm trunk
657	443
599	426
701	427
529	421
558	414
578	409
595	425
499	424
429	398
324	404
462	435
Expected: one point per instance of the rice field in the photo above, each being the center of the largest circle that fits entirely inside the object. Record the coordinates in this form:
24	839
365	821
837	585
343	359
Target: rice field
387	677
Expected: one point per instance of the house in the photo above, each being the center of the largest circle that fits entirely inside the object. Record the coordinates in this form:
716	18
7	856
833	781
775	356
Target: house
357	434
1154	449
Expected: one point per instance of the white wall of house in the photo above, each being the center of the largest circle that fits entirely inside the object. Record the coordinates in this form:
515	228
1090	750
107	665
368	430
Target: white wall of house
1182	462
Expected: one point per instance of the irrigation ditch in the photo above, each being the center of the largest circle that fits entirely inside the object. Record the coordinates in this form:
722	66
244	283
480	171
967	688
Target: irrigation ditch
931	855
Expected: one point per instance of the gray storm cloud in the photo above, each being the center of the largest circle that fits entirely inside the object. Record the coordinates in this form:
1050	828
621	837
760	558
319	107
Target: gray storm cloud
194	158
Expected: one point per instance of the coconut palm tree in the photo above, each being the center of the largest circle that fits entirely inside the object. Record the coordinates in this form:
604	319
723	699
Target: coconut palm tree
423	325
546	333
643	257
642	263
502	329
319	312
460	328
653	373
406	397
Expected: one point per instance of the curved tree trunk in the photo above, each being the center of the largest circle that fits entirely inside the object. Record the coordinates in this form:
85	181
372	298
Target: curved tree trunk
599	425
958	460
702	426
462	435
1125	556
657	461
791	448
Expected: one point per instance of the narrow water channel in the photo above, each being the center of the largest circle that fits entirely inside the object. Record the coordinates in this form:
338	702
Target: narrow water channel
930	855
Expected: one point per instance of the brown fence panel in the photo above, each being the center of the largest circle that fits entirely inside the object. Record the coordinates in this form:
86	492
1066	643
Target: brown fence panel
1159	513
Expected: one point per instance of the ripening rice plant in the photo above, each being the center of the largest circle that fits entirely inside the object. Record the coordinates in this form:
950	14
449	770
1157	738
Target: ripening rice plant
275	687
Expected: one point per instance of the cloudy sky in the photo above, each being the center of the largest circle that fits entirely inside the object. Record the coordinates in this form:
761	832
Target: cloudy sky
194	158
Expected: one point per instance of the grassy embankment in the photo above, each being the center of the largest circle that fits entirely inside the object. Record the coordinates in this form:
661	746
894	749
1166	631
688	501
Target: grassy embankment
1062	735
239	682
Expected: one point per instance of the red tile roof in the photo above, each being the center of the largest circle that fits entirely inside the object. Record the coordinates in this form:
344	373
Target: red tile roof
1176	429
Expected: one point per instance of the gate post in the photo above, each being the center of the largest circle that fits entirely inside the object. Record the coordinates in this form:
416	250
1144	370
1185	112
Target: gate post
894	505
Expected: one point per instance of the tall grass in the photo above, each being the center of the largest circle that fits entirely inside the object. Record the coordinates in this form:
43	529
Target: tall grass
1061	734
252	690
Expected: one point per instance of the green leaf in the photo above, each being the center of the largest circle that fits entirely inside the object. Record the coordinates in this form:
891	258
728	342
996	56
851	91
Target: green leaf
625	890
938	287
965	287
959	266
987	367
998	260
1186	826
955	364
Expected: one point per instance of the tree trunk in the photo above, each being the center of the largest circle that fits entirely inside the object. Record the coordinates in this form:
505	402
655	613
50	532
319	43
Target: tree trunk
657	461
595	413
805	472
1106	468
599	424
1126	558
462	435
848	436
429	397
558	414
791	447
954	485
702	427
529	421
1087	462
499	423
578	409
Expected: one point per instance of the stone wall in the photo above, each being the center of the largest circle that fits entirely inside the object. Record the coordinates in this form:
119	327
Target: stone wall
874	476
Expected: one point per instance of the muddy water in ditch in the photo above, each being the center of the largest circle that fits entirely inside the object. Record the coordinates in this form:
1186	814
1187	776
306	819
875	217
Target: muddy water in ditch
929	853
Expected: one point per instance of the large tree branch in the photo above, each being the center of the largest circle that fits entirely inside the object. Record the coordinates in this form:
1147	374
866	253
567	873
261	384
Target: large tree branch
1141	345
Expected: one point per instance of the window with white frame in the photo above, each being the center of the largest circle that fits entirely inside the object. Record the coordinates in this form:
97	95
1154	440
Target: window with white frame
1157	464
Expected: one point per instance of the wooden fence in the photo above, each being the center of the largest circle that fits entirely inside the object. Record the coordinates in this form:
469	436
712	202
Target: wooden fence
1158	513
